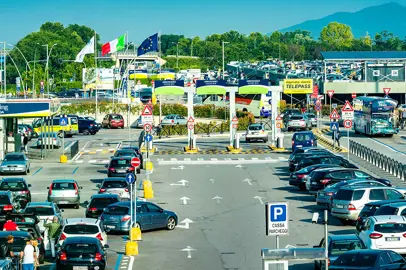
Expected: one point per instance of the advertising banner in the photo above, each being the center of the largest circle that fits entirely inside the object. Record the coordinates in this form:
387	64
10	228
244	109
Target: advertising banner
298	86
253	87
169	87
214	87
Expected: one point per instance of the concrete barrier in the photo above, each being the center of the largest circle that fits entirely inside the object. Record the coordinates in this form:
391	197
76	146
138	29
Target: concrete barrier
328	143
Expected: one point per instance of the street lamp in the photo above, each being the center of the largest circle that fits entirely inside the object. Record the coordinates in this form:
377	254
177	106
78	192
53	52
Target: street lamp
47	65
27	66
177	54
223	55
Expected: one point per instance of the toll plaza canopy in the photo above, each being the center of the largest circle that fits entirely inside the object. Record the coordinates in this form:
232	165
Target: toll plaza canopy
29	108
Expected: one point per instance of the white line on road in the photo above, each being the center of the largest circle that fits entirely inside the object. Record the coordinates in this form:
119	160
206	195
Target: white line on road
130	265
186	222
184	199
259	198
223	162
39	193
248	181
189	250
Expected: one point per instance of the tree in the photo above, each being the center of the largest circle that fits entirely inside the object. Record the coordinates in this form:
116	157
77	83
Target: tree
337	36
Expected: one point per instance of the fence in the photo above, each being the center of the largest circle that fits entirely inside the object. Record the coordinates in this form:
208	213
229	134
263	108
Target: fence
381	161
71	149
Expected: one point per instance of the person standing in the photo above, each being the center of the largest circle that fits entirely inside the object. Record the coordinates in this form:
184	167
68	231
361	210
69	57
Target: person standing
28	255
53	233
337	137
34	243
6	249
25	143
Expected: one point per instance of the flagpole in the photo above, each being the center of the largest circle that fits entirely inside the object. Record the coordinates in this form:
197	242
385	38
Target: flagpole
159	53
95	64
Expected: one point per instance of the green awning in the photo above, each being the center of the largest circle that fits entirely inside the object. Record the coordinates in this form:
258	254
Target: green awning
169	90
211	90
253	89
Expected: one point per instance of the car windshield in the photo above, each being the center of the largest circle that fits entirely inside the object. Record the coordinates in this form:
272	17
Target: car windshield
386	210
80	248
390	227
170	117
302	137
255	127
102	202
339	247
14	158
296	117
13	186
344	194
73	120
356	259
311	115
81	229
120	162
117	210
40	211
115	184
4	199
63	186
124	153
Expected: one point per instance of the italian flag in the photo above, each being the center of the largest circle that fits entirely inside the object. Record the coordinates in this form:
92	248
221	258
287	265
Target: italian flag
113	46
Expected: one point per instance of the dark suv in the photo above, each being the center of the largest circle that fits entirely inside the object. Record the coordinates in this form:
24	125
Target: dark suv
87	126
325	159
297	158
7	205
98	202
120	166
19	188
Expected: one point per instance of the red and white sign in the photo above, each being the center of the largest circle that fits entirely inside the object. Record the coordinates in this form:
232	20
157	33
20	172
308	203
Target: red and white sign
386	90
191	120
330	93
148	127
315	91
235	120
191	123
347	112
139	82
334	115
146	116
190	126
353	95
279	125
347	123
347	107
135	162
278	118
152	83
235	125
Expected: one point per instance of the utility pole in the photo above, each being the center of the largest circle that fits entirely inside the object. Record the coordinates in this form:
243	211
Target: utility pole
177	55
47	65
223	57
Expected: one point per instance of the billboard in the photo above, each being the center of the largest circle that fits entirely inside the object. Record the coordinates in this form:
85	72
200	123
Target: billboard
169	87
104	80
298	86
214	87
253	87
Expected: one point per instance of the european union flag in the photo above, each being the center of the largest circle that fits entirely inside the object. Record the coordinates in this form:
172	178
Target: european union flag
148	45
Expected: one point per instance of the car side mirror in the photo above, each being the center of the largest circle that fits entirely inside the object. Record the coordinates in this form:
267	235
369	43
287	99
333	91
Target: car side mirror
161	210
29	185
47	187
106	246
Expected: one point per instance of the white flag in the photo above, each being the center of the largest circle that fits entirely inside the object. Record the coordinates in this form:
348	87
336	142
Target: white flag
89	48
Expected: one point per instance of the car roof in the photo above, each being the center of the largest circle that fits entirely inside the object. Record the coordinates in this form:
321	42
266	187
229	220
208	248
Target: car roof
114	179
398	204
365	251
96	196
130	147
389	219
121	158
15	154
114	114
365	187
4	234
335	169
256	124
379	203
13	179
81	239
81	220
125	150
302	132
344	237
63	181
33	204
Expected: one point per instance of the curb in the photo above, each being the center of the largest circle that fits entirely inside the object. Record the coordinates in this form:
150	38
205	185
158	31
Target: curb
328	143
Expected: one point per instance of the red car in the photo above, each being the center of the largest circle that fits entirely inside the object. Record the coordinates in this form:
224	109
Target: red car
113	120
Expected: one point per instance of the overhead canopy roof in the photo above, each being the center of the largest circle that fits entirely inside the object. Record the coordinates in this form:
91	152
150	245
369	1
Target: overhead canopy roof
366	55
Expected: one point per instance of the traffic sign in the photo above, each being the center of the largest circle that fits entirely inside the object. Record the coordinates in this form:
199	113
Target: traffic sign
386	90
235	120
334	126
277	218
135	162
235	125
347	112
334	114
278	118
353	95
278	125
190	126
347	123
146	115
318	108
347	107
148	138
191	120
334	105
330	93
318	102
63	121
148	127
270	101
130	178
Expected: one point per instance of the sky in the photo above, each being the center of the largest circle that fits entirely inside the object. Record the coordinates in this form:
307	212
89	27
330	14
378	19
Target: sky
188	17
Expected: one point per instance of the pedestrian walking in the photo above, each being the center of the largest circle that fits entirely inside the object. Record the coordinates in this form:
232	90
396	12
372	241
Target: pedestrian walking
34	243
53	232
336	137
25	143
10	226
28	255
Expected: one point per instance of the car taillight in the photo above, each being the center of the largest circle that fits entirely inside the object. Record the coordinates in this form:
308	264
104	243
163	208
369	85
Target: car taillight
50	190
375	235
63	257
102	190
92	209
8	207
131	168
126	190
173	121
112	169
91	125
329	193
293	142
351	207
126	218
99	236
404	235
76	189
301	175
63	237
25	191
98	257
325	181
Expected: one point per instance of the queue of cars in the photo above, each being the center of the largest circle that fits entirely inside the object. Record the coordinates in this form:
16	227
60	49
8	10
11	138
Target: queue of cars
375	206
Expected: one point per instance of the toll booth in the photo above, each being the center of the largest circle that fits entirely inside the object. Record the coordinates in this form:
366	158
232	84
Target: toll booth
278	259
13	110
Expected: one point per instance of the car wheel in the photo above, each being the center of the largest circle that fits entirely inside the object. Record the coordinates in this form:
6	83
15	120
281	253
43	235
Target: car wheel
346	222
109	126
86	132
76	206
28	170
171	223
93	133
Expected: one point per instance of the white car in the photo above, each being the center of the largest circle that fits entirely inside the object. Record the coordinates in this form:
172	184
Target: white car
83	227
385	232
256	132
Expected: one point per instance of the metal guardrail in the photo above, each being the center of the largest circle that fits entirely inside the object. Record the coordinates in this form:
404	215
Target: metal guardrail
71	149
381	161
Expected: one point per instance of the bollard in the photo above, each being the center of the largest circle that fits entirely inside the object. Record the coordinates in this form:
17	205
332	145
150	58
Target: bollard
148	191
194	143
63	159
149	167
150	145
135	234
131	248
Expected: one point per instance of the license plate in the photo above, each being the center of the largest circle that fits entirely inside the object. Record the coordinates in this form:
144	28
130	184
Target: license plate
299	146
121	171
389	239
80	268
63	202
111	227
339	206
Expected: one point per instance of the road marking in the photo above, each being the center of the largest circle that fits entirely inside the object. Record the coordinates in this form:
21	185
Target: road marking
259	198
241	158
283	158
186	222
130	265
174	159
99	150
254	158
388	146
184	199
79	161
174	168
239	165
214	159
39	193
75	170
248	181
37	171
118	261
268	158
181	183
212	181
187	159
189	250
217	162
160	159
218	198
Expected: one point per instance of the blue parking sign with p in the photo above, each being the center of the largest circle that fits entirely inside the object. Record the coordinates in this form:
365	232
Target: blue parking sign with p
277	218
278	213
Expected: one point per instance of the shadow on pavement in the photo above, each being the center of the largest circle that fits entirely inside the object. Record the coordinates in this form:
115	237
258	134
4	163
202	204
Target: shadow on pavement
308	198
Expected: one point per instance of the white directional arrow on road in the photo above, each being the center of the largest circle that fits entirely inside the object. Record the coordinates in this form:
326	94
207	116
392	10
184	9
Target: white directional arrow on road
239	166
212	181
178	168
184	199
189	250
181	183
259	198
248	181
218	198
290	246
186	222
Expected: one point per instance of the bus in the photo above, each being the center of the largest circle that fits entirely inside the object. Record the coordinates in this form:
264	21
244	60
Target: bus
72	128
374	116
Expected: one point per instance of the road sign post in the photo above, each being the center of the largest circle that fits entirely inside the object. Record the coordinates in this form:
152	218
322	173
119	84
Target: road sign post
334	116
386	90
330	94
130	178
277	220
191	127
63	122
347	113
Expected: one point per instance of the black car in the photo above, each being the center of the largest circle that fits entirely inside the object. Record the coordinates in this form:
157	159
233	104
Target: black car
296	159
81	251
298	178
20	242
325	159
7	205
303	150
98	202
137	150
120	166
93	119
87	126
370	209
19	188
369	259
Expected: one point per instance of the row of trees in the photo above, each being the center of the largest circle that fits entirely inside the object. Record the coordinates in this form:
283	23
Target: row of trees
297	45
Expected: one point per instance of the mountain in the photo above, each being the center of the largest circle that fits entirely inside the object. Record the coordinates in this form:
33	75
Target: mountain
374	19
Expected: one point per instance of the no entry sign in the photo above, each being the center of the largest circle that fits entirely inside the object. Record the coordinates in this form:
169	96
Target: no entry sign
135	162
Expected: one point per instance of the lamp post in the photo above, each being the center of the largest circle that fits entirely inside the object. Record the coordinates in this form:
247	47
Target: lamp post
223	43
47	65
191	47
27	66
177	54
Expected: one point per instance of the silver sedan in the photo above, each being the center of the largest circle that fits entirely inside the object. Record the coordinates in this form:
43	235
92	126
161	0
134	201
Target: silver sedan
174	119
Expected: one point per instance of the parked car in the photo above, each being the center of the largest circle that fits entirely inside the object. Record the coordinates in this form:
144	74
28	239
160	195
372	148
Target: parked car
368	259
7	205
64	192
81	252
173	119
19	188
44	211
302	149
326	159
87	127
83	227
113	120
115	185
93	119
303	139
301	156
49	139
385	232
116	217
396	209
337	245
119	167
299	177
349	201
288	112
15	163
98	202
312	118
137	151
299	121
256	132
